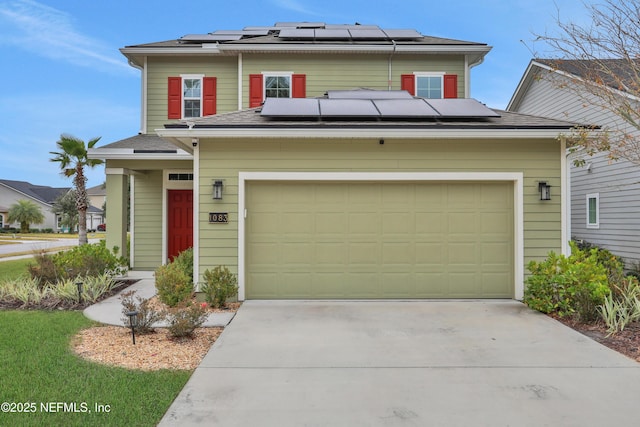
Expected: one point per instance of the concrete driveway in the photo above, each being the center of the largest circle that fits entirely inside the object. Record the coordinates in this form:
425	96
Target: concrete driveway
392	363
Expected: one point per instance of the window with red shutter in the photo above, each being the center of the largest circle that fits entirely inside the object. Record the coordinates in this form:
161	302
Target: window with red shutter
174	102
408	83
450	83
209	96
255	90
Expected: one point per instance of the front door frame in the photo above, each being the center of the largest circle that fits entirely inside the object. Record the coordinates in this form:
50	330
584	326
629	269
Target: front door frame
517	178
172	185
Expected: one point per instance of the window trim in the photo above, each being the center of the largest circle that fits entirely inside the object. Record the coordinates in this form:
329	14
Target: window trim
440	74
265	74
184	99
596	197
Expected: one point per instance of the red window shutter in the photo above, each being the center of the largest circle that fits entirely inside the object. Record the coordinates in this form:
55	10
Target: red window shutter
408	83
299	86
208	96
174	102
450	86
255	90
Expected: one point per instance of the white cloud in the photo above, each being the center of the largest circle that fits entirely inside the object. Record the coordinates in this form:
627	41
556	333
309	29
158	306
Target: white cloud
50	32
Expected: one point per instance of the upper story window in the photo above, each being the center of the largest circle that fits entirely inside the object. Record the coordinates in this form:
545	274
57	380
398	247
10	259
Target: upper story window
191	95
593	210
276	85
430	85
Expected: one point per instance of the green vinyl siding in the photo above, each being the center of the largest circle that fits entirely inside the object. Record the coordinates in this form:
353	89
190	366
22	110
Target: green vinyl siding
147	218
323	72
224	69
538	160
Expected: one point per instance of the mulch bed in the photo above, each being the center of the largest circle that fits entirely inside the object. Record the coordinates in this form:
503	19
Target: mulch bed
626	342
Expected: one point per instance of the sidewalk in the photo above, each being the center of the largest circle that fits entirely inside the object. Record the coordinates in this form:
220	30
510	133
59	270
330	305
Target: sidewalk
109	311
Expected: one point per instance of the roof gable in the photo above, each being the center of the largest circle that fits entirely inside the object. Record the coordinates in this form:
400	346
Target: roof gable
41	193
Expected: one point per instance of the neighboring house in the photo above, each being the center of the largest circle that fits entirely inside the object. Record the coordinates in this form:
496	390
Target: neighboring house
406	189
12	191
605	194
97	197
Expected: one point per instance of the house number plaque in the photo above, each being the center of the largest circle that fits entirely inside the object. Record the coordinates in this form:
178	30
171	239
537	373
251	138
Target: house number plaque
218	218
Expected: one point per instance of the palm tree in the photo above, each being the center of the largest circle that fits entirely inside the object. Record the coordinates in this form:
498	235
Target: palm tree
73	158
25	212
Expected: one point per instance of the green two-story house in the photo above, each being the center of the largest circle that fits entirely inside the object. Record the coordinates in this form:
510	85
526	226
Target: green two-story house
334	161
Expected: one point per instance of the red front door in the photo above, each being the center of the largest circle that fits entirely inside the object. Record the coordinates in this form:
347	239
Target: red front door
180	221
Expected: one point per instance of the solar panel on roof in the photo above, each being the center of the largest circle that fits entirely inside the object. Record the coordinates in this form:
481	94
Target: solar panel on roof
461	107
300	24
403	34
404	108
351	26
368	94
256	28
371	34
290	107
323	34
347	108
295	33
210	37
243	32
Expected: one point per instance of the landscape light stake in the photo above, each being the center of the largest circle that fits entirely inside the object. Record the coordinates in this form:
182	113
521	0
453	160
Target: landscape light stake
133	322
79	285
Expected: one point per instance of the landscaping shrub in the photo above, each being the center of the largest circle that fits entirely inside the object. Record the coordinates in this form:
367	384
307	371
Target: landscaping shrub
147	315
622	306
220	284
44	270
89	260
183	320
173	284
573	285
184	261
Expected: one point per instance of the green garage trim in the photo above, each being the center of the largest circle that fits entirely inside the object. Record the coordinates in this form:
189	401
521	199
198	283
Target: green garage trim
379	239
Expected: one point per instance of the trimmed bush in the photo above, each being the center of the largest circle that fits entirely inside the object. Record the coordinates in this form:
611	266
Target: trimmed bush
184	319
173	284
220	285
184	261
146	317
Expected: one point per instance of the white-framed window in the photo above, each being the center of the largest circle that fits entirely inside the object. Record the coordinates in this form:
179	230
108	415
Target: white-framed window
593	210
277	84
430	85
191	95
1	221
58	222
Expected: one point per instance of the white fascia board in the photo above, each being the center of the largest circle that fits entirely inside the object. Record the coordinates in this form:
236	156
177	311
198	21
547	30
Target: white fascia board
399	48
517	95
128	154
355	133
151	51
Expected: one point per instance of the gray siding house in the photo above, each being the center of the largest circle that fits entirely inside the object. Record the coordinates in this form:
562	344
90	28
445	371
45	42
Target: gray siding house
604	194
12	191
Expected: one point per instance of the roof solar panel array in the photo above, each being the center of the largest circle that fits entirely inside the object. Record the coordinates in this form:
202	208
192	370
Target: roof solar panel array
364	104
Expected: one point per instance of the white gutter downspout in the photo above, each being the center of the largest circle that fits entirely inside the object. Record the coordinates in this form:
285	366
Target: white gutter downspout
565	208
467	74
143	94
240	81
390	82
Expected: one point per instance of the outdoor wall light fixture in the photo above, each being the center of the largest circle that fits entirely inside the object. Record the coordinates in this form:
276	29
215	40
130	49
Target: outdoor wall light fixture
545	190
217	190
79	285
133	322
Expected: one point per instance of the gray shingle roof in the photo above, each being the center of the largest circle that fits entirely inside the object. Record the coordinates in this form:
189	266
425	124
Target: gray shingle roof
621	74
41	193
143	142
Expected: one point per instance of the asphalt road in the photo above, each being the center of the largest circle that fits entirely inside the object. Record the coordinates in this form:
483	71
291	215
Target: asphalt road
34	246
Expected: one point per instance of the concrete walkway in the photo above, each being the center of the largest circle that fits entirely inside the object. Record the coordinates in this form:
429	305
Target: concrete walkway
393	363
109	311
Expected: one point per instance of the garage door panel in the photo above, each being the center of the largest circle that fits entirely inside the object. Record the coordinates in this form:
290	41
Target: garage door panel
379	240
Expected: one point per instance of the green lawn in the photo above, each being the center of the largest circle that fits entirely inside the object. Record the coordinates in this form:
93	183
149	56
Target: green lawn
14	268
39	371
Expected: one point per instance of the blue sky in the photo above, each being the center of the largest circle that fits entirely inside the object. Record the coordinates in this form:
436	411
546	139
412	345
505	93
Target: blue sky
62	71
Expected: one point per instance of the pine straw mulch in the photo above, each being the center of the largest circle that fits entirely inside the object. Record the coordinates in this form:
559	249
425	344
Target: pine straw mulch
626	342
113	345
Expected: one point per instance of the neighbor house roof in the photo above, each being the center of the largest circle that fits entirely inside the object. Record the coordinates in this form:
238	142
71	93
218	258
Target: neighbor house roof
40	193
601	70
